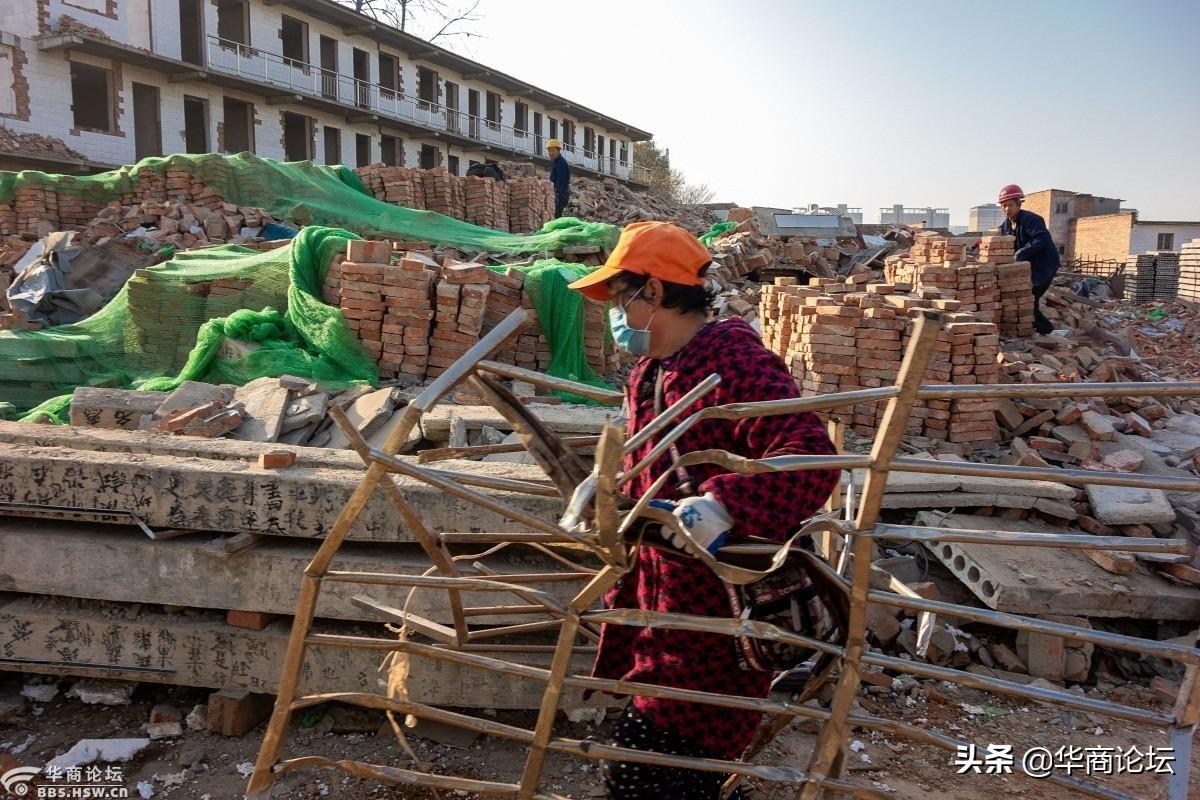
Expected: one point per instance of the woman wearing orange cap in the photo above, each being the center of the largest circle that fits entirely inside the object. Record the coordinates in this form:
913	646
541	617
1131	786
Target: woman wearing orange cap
661	312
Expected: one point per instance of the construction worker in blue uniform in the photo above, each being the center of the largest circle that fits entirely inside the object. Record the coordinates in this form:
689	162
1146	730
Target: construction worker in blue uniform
560	176
1033	244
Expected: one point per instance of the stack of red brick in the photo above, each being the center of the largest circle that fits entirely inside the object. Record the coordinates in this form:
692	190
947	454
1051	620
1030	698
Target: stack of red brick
839	337
990	285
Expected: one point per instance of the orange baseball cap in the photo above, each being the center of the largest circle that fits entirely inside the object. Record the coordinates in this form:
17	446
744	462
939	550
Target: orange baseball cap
655	249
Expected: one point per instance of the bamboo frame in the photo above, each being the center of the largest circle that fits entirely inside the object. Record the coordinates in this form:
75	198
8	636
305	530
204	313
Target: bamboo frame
598	526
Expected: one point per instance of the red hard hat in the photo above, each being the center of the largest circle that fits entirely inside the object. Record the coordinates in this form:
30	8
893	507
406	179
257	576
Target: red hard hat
1011	192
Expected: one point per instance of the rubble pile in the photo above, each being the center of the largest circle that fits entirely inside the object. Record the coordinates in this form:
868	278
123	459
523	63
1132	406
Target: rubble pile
36	144
841	336
747	249
172	208
988	284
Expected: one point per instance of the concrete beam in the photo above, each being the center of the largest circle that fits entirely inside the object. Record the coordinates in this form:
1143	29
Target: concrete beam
1037	580
70	637
120	564
233	496
183	77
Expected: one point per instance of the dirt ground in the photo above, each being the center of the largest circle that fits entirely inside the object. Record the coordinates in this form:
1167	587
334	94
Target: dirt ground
201	765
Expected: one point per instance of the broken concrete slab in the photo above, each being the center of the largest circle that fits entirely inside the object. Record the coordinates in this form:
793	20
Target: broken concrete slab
900	483
565	419
1154	464
236	497
1127	505
1184	423
188	395
956	500
379	438
198	649
306	411
367	414
115	409
1033	580
264	578
1181	443
265	401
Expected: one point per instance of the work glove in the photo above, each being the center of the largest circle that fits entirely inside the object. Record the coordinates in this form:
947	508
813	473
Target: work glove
704	518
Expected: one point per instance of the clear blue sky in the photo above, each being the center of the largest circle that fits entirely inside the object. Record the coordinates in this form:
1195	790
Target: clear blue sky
875	103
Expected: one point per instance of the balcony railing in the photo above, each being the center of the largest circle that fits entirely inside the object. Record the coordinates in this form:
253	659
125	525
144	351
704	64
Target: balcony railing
296	76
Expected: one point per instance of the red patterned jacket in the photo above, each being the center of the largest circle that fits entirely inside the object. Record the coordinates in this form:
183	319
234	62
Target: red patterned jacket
771	505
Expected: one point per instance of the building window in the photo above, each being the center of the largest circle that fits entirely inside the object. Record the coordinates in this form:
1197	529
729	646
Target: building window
293	35
430	156
568	135
389	150
1166	241
388	72
191	33
238	126
427	88
333	145
452	165
195	124
553	127
453	123
493	110
589	141
1061	207
362	149
297	137
624	154
91	97
521	120
233	22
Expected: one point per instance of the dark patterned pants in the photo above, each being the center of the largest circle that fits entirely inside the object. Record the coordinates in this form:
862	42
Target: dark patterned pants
1040	323
560	203
627	780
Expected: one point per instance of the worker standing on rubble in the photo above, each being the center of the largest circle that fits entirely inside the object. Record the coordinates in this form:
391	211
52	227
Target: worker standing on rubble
1033	245
661	312
560	176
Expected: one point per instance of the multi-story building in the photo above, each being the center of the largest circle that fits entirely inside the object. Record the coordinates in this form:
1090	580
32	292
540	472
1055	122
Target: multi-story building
984	217
926	217
118	80
1060	206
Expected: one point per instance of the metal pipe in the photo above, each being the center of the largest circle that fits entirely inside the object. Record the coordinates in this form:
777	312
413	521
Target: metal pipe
500	484
1071	541
997	390
550	382
672	412
1079	477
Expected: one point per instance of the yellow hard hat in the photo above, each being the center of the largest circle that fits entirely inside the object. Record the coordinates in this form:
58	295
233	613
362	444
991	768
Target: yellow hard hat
554	143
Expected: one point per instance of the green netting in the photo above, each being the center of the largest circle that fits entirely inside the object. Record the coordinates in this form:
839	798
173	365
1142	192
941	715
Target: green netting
715	232
561	315
305	193
231	314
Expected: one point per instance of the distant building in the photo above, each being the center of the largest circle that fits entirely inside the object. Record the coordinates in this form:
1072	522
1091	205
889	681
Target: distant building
1059	207
840	210
926	217
984	217
1115	237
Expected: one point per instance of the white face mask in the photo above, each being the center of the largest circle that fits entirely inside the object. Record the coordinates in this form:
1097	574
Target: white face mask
635	341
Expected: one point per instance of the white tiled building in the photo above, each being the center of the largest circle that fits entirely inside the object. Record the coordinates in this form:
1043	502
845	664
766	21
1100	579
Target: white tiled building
118	80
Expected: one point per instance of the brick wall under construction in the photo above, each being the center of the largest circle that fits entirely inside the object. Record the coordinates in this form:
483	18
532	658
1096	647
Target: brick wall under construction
841	336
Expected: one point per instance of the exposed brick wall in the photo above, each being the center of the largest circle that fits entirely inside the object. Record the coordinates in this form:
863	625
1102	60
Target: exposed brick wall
20	84
1102	238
